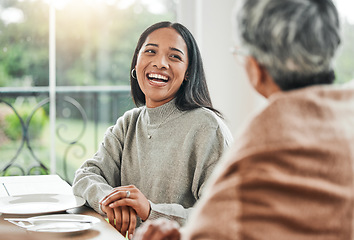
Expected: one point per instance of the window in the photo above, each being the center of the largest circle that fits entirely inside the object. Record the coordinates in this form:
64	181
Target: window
94	42
345	59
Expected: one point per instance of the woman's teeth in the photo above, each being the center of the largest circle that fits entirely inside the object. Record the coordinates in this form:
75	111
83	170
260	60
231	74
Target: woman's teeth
157	77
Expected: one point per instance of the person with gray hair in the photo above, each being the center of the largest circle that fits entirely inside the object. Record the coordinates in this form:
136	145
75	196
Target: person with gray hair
290	173
294	40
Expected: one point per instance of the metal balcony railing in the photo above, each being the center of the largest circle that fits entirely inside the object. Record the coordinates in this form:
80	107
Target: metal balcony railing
86	103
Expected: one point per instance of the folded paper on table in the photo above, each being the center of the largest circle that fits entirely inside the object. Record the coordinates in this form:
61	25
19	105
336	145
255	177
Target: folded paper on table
20	185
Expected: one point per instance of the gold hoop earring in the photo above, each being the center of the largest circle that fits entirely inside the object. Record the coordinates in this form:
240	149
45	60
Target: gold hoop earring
132	73
186	77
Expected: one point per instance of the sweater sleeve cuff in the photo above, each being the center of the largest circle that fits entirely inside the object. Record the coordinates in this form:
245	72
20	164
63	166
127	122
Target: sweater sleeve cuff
98	208
155	214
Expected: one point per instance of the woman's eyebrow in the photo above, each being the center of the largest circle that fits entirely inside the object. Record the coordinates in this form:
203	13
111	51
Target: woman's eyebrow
176	49
172	48
151	44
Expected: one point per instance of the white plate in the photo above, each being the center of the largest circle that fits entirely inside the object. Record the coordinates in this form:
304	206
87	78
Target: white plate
62	227
39	203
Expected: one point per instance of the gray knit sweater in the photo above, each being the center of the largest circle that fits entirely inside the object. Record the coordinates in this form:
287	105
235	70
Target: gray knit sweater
170	168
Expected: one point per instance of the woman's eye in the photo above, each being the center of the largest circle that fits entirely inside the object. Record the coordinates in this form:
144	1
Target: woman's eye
149	51
176	57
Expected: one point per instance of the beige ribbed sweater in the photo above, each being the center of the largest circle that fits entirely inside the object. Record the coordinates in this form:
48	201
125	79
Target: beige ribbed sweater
289	175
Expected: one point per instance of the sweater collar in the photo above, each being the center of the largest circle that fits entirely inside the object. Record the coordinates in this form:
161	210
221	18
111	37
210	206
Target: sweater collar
158	114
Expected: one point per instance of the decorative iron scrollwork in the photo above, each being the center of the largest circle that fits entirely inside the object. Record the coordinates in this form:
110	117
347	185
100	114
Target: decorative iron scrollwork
39	167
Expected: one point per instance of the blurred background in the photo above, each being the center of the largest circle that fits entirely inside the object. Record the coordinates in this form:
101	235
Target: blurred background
64	72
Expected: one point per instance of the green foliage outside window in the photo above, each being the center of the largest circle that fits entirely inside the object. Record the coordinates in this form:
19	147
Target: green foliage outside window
94	42
12	125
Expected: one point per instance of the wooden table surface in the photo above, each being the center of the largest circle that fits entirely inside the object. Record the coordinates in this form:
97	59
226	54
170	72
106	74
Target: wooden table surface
99	231
35	185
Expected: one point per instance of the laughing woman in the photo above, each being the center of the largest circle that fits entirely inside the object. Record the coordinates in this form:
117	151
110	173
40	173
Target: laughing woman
155	160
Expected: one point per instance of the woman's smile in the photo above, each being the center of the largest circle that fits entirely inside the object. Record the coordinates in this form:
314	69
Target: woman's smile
157	79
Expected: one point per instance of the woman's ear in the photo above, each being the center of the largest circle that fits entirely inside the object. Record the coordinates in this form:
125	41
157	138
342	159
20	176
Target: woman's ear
254	71
260	79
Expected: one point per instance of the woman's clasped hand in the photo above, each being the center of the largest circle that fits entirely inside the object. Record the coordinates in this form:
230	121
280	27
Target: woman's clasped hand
122	207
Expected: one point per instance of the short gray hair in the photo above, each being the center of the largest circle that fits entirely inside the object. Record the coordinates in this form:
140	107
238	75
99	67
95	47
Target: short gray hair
295	40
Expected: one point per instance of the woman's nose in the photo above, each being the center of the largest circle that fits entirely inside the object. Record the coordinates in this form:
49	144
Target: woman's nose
160	62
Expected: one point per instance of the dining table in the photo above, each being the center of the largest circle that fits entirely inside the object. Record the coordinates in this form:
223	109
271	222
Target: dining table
52	185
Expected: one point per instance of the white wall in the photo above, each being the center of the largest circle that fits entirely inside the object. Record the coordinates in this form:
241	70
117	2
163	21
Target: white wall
210	23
